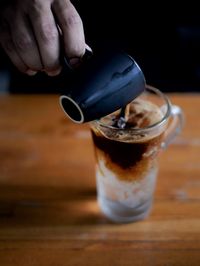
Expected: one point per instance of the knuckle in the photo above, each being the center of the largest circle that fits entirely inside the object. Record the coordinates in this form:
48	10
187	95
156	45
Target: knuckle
77	50
35	8
35	5
23	42
49	33
72	20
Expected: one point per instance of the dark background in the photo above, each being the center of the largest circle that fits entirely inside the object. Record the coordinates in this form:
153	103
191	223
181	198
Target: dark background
162	38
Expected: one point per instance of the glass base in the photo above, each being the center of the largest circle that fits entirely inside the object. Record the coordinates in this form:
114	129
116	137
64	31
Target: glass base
118	213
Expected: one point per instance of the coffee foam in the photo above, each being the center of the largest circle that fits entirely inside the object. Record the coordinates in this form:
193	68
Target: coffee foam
142	114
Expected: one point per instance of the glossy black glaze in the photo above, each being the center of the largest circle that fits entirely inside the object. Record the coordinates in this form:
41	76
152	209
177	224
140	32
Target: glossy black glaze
109	80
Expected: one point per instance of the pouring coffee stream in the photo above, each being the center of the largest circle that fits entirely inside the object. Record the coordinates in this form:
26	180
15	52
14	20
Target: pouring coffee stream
121	120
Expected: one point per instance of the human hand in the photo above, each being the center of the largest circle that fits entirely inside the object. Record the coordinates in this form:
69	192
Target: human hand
31	32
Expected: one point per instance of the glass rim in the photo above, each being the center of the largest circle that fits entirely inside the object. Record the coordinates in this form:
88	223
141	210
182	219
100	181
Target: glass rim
148	128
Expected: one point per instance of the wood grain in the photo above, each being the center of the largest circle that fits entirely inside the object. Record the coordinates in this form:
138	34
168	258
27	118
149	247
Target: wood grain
48	209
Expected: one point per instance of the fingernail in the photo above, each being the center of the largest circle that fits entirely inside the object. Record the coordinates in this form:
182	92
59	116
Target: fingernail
54	72
31	72
74	62
87	47
87	55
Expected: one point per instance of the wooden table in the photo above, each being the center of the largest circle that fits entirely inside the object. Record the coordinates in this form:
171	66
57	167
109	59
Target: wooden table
48	209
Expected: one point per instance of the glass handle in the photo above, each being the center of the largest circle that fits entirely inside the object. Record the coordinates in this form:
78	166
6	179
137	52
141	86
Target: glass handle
175	126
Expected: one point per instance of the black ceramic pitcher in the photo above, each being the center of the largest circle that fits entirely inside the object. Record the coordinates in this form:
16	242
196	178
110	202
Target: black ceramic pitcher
108	81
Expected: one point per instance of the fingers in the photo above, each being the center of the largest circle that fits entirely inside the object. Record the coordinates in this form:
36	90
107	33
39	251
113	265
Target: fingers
32	38
25	43
9	47
72	30
47	36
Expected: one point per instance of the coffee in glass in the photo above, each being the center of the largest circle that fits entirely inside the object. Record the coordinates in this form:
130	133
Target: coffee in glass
126	157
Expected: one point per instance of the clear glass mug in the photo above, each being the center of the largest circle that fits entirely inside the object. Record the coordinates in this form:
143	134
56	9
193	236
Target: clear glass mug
126	159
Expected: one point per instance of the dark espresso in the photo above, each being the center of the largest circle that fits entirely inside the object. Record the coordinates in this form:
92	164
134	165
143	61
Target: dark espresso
125	153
